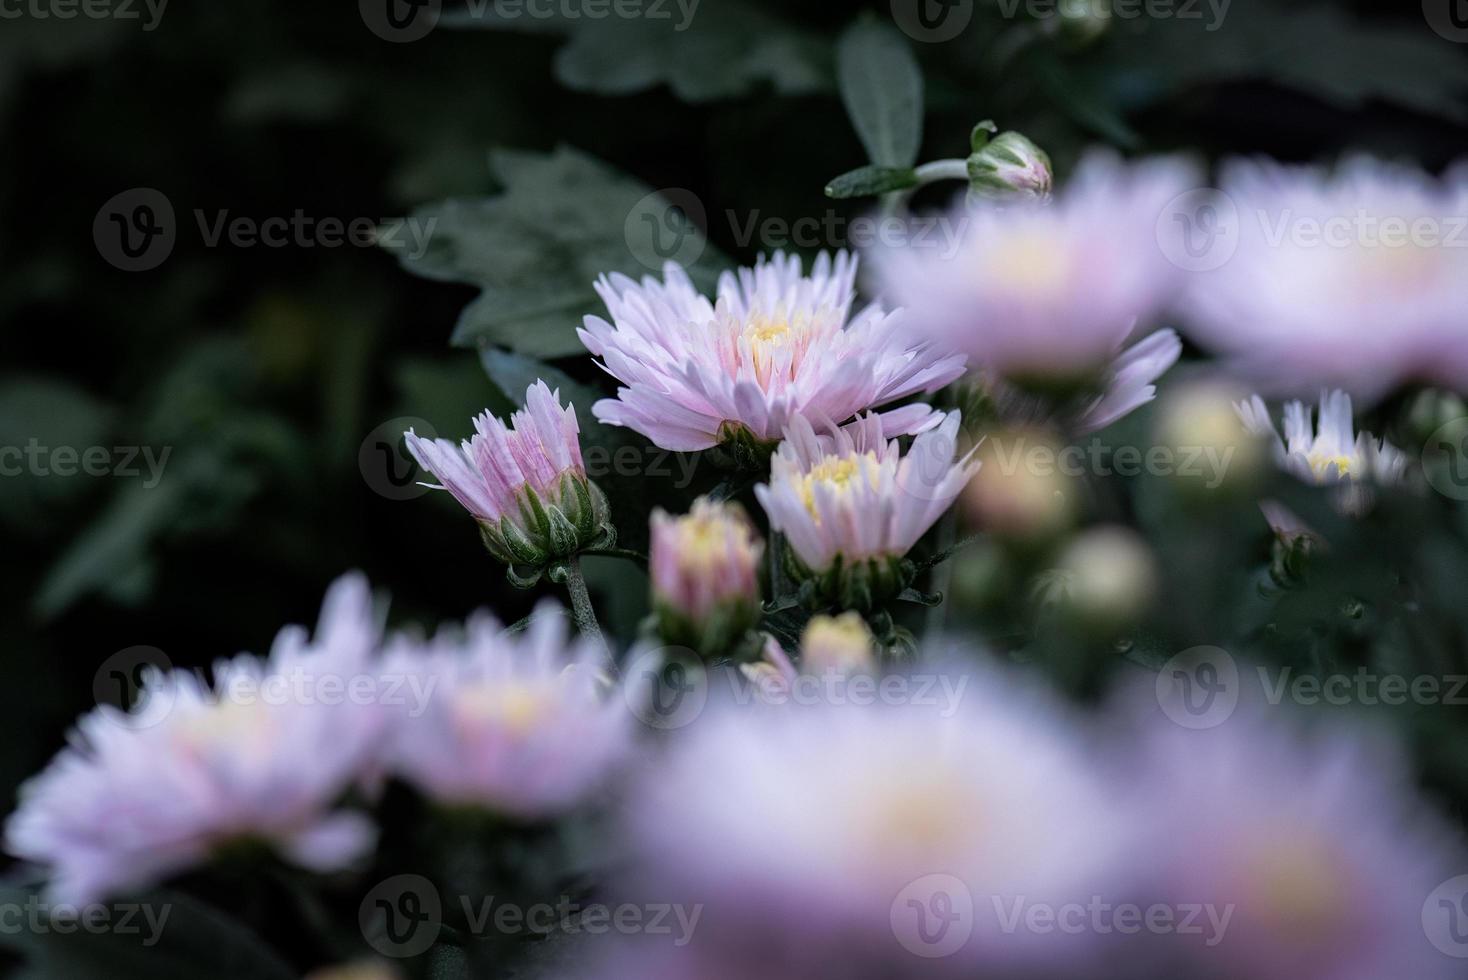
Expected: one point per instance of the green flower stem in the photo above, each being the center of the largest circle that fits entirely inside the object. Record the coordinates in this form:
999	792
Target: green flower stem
624	553
942	170
581	608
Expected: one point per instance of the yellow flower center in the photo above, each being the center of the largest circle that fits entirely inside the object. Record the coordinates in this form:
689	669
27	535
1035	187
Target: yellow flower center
767	335
1034	261
1322	464
837	473
1298	888
513	705
224	723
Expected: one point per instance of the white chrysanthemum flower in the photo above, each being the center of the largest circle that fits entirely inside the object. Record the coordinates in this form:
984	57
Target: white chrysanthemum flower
1356	279
776	345
851	500
1330	453
263	756
1045	297
519	725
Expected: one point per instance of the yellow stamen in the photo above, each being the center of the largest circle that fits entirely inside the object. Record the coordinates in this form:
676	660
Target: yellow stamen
836	472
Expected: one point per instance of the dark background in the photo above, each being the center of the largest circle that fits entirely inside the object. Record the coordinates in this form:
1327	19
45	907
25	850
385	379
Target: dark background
265	369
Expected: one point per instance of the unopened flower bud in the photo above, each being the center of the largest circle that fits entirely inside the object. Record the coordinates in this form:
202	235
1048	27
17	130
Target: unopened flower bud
842	644
1008	165
1106	577
1019	492
705	576
524	483
1211	446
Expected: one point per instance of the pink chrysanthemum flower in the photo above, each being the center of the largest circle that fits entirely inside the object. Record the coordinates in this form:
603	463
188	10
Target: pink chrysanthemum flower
1330	453
1046	296
776	345
1357	280
1269	825
850	503
837	840
263	756
523	482
705	575
519	725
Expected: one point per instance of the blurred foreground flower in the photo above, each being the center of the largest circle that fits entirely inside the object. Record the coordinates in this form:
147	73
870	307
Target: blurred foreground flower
1043	298
524	483
1356	280
956	812
776	346
260	758
517	725
705	576
852	506
1315	844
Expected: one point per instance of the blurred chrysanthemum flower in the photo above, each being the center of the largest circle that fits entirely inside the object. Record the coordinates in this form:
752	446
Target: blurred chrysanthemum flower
1314	844
1357	280
705	576
522	725
1328	453
260	758
851	505
884	841
523	482
775	346
1044	297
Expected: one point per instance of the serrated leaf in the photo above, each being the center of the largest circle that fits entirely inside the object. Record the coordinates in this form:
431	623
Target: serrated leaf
702	51
870	181
882	88
536	249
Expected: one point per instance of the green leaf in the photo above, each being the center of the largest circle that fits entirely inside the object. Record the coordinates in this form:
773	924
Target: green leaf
870	181
535	250
703	52
882	88
1318	49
